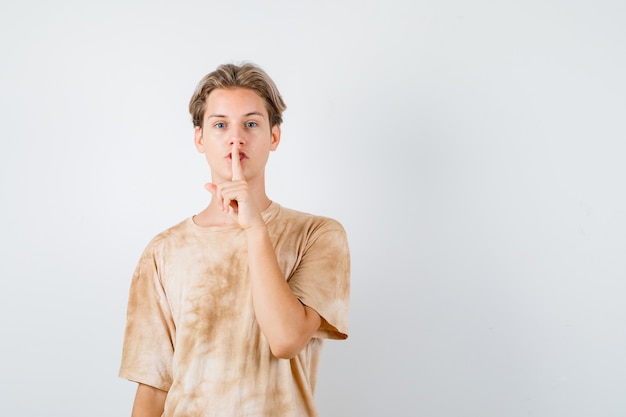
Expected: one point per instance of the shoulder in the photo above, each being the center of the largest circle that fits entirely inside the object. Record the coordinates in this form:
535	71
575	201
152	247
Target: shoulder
171	236
300	217
306	223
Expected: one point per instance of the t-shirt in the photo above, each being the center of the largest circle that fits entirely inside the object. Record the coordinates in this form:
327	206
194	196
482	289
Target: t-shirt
191	328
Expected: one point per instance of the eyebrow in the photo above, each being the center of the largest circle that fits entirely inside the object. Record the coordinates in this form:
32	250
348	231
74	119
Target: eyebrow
252	113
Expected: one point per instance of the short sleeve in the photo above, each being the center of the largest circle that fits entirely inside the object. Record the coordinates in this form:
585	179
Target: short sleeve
322	278
149	338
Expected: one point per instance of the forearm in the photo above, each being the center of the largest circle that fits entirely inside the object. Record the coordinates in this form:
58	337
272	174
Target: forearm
149	402
287	324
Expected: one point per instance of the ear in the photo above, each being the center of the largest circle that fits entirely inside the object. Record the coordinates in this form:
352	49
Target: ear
275	137
197	139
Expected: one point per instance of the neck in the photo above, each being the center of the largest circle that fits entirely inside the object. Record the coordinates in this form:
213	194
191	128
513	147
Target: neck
213	215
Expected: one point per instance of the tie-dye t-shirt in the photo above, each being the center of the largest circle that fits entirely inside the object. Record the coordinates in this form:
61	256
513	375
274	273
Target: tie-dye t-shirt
191	328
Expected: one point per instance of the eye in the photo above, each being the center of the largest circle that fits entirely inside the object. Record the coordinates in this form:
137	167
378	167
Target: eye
251	124
220	125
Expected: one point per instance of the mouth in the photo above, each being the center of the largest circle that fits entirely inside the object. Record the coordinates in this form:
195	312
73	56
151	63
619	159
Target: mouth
242	156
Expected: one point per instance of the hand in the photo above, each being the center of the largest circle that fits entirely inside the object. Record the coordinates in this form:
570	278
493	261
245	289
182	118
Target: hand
234	196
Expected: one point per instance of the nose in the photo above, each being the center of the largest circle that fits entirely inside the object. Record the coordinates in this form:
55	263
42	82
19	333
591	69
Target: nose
237	136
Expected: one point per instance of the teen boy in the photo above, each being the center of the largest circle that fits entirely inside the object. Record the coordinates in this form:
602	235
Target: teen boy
228	309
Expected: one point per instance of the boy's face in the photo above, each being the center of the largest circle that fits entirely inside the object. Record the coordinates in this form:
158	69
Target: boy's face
237	116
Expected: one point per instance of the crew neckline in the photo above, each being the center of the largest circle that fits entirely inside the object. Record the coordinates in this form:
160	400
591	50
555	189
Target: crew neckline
268	214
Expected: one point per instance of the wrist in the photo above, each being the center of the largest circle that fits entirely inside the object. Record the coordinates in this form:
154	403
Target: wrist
257	229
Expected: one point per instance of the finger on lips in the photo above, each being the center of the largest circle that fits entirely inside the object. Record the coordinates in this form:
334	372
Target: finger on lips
221	191
236	163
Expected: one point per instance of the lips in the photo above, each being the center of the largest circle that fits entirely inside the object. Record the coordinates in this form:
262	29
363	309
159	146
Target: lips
242	155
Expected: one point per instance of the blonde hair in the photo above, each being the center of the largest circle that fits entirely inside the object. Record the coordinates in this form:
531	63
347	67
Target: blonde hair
247	76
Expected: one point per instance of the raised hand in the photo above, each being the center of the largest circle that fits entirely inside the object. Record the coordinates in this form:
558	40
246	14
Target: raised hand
234	197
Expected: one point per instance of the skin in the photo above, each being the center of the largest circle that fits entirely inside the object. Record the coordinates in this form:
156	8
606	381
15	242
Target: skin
149	402
236	139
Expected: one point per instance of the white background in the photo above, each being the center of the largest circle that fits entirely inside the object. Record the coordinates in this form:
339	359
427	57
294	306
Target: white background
474	151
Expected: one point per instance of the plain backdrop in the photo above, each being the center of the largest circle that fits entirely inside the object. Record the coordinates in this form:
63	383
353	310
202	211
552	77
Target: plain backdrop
474	151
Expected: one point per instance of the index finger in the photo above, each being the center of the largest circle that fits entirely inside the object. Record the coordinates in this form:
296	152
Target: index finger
236	163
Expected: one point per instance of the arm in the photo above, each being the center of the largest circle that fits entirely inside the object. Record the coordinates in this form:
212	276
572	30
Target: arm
287	324
149	401
148	341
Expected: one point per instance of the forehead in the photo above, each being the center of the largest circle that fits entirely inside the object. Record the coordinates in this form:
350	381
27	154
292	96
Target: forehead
234	102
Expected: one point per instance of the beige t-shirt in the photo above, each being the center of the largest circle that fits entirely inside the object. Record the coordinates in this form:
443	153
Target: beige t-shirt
191	328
